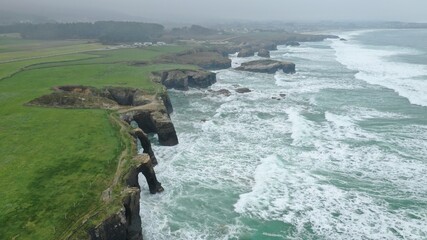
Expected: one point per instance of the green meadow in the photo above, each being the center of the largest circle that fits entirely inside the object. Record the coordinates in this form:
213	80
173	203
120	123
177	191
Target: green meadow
55	163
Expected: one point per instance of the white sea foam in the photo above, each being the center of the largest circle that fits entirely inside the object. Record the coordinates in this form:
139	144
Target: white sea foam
289	194
297	161
374	66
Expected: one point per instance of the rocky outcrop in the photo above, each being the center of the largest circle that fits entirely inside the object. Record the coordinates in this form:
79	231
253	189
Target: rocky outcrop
183	79
143	164
263	53
164	129
246	52
145	143
292	43
271	46
224	92
167	102
123	225
153	118
267	66
243	90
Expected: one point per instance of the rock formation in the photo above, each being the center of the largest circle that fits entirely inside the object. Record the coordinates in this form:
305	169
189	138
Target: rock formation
263	53
267	66
246	52
183	79
292	43
126	223
243	90
224	92
123	225
153	118
143	164
145	144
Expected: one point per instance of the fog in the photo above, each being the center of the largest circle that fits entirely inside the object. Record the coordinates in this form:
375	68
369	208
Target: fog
224	10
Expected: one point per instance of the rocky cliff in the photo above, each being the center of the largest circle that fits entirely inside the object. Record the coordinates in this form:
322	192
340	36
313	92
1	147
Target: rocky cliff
184	79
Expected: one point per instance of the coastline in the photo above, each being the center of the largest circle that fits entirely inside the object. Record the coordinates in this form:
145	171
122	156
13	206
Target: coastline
174	83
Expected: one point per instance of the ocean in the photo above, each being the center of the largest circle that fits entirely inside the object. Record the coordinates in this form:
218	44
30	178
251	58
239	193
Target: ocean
342	156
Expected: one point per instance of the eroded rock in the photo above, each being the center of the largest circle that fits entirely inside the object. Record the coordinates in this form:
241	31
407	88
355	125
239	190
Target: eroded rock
267	66
224	92
292	43
263	53
123	225
153	118
183	79
145	144
246	52
243	90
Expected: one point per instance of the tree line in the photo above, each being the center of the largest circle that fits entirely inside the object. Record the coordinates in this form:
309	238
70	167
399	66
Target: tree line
104	31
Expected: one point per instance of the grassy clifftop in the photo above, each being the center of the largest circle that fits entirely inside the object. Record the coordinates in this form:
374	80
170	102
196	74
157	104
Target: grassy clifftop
55	163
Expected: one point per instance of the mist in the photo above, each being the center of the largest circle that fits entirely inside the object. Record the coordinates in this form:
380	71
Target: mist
223	10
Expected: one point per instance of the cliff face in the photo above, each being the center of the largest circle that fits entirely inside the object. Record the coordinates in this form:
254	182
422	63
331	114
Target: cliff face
123	225
184	79
153	118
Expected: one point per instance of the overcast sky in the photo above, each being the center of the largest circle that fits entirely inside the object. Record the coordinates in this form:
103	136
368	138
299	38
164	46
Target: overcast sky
195	10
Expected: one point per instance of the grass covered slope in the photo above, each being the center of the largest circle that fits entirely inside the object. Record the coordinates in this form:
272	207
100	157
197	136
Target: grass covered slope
55	163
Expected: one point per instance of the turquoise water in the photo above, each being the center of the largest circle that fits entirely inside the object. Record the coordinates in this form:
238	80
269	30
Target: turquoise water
342	156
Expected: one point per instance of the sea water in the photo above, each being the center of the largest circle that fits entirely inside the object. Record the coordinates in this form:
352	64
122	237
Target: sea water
342	156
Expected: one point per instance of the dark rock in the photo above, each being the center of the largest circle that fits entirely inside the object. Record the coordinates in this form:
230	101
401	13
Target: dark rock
144	121
201	79
343	39
246	52
112	228
282	95
267	66
154	121
268	45
145	144
175	79
123	225
263	53
167	102
165	129
132	208
143	164
183	79
243	90
224	92
292	43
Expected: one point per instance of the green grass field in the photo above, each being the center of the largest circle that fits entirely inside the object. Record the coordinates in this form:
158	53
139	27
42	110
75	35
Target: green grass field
54	163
